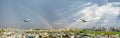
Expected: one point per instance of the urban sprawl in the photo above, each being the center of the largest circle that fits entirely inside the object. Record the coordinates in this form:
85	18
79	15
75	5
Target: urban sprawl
95	32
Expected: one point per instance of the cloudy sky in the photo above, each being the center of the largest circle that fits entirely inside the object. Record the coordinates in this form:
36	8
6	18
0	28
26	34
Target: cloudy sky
58	13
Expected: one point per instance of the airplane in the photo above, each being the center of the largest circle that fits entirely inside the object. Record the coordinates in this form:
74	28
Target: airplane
27	20
79	20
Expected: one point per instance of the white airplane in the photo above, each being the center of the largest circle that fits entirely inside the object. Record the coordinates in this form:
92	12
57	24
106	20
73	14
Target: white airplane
27	20
79	20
